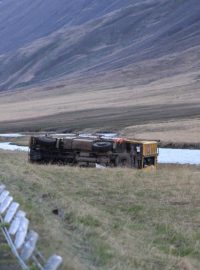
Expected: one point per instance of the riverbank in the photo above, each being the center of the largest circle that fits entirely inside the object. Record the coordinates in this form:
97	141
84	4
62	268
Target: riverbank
168	154
182	145
181	133
22	139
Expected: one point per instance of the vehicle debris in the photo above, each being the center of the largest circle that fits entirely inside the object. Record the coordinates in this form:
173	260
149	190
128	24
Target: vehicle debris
89	150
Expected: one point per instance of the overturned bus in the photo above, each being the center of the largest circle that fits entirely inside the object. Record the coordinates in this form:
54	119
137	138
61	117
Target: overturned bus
87	151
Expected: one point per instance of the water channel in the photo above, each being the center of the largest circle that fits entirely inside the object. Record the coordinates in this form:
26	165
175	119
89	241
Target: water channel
166	155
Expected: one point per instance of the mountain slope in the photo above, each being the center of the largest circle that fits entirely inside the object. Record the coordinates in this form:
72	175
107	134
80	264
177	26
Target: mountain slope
87	38
100	64
24	21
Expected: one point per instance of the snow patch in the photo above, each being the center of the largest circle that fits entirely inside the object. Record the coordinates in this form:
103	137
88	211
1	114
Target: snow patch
179	156
13	147
11	135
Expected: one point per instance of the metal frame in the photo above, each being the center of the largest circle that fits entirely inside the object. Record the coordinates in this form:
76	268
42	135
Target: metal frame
20	239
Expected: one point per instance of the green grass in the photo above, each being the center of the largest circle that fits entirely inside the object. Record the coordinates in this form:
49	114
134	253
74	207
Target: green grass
89	221
7	260
175	242
112	218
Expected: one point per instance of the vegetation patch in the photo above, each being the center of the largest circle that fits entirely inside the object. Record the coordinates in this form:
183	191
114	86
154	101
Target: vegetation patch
172	241
110	219
89	221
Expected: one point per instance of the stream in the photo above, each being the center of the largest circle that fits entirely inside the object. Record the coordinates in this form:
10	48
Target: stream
166	155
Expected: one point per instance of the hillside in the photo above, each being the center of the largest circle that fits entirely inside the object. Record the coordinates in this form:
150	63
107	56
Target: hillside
45	41
135	57
110	219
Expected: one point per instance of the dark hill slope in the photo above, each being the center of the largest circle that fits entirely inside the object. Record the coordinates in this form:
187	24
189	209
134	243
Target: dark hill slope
23	21
119	40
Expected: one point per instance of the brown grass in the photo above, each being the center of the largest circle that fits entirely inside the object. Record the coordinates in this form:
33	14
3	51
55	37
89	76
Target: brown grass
175	132
98	105
113	218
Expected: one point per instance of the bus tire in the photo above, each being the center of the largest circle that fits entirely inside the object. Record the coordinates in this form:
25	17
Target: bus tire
102	146
123	160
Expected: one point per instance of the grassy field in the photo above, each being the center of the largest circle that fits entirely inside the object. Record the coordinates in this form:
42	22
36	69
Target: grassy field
113	218
177	133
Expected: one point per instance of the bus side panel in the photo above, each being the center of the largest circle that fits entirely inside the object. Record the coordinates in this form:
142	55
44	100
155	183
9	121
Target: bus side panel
150	149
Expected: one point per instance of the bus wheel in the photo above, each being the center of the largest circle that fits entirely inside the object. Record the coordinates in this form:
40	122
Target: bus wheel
102	146
123	160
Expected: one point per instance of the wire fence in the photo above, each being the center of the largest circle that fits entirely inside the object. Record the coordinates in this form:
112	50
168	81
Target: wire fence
21	240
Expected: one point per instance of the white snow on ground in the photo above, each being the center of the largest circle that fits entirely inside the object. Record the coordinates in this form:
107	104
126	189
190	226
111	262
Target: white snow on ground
11	135
108	135
179	156
12	147
98	166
